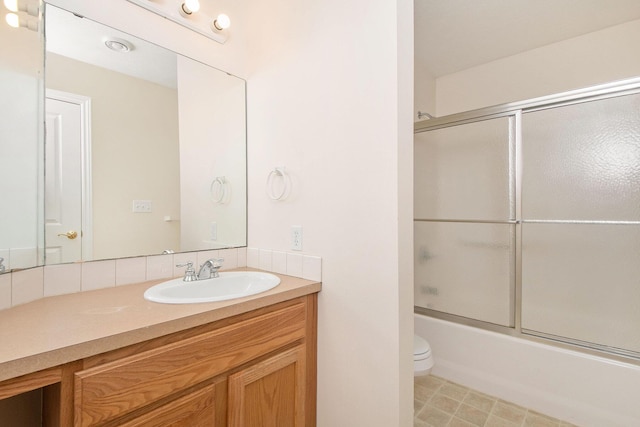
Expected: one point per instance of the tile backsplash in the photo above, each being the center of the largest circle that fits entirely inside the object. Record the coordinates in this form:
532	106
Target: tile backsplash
20	287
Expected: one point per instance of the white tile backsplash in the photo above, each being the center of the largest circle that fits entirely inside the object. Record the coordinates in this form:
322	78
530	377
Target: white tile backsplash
131	270
279	262
253	257
27	285
5	291
242	257
98	275
62	279
159	267
230	257
23	286
294	265
265	259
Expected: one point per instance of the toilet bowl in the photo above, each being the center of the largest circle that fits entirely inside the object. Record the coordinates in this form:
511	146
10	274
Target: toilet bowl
422	358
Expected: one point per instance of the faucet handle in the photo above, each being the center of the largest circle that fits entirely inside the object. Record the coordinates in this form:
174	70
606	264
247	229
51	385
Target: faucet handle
190	273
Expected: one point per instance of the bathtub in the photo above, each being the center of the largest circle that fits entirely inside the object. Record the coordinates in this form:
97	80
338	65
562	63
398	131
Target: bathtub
583	389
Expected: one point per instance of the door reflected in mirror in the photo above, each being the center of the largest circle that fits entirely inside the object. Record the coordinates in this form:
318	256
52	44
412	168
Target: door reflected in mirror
146	149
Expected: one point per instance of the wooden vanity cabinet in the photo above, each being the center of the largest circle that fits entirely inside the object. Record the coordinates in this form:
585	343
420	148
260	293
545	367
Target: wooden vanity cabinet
253	369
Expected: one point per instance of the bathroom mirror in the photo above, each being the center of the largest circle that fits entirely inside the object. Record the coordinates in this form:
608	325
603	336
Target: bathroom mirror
145	148
159	147
21	156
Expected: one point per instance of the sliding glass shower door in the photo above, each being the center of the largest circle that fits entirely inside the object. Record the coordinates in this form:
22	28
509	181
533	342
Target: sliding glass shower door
581	222
464	220
528	217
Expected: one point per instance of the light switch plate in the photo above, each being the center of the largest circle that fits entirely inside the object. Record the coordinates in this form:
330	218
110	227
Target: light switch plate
142	206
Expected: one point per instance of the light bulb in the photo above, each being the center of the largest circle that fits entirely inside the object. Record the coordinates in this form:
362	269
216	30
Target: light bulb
190	6
13	20
12	5
222	22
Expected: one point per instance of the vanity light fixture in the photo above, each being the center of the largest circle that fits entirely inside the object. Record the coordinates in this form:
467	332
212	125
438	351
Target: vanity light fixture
189	14
222	22
16	6
13	20
15	17
189	7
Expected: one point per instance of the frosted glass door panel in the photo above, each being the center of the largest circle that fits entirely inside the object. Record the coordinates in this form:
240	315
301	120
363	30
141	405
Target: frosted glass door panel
582	282
582	161
462	172
465	269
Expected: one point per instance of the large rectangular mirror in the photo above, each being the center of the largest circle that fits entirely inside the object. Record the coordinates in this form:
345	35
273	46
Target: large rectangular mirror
145	148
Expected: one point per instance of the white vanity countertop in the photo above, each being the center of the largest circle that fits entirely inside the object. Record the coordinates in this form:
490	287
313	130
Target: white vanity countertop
57	330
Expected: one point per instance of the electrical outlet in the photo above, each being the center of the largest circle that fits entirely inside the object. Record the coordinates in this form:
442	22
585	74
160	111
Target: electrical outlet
296	237
142	206
214	231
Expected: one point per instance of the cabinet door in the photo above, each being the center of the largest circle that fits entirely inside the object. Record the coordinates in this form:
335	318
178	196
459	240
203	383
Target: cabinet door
270	393
193	410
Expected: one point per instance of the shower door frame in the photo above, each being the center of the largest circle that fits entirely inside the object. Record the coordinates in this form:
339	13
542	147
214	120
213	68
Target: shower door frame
514	111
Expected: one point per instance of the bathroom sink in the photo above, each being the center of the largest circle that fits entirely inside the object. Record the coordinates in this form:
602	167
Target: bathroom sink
229	285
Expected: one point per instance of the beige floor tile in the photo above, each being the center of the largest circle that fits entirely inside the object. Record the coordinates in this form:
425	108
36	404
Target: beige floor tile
454	391
509	411
417	405
422	393
495	421
480	401
534	419
429	381
457	422
433	416
473	415
445	403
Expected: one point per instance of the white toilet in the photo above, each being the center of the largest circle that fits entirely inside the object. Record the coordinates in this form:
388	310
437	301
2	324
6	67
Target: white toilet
422	358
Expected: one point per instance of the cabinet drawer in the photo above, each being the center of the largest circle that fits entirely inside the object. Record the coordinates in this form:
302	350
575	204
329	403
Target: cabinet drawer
193	410
108	391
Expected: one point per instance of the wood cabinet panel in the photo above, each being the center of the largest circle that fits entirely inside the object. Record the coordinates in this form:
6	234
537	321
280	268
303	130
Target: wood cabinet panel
114	389
193	410
270	393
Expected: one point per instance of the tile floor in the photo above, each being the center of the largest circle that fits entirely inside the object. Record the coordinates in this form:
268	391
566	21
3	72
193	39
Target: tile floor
441	403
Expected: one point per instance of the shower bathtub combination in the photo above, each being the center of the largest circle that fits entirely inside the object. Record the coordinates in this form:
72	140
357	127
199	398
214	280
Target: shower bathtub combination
527	250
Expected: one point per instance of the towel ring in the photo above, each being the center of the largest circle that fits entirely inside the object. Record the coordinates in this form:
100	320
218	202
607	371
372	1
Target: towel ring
286	184
218	189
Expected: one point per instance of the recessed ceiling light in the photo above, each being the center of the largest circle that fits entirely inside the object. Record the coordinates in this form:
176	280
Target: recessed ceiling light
118	45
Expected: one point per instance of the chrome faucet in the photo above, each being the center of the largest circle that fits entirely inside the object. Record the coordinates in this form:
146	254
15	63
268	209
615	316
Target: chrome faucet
210	268
2	267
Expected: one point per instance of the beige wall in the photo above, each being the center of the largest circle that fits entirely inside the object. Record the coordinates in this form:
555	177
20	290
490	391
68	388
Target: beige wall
598	57
135	156
330	98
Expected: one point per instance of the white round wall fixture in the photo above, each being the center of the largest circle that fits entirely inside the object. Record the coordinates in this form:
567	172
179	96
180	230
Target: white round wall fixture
118	45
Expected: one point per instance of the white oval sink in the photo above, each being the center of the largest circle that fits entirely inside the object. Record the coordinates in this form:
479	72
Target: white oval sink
230	285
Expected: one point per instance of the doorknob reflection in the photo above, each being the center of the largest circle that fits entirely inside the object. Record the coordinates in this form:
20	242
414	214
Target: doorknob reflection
69	235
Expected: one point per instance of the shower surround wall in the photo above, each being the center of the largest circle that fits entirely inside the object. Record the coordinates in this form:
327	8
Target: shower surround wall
529	219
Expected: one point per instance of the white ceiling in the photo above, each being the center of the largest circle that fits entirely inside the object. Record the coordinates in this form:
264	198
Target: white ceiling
453	35
83	40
